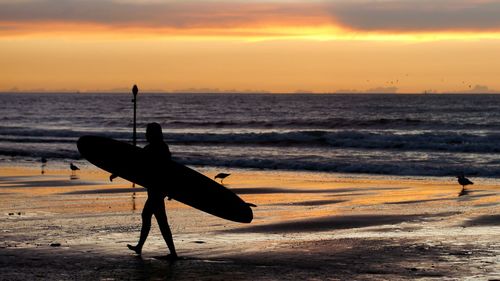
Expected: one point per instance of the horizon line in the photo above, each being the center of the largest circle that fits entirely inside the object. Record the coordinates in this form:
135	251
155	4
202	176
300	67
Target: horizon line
248	93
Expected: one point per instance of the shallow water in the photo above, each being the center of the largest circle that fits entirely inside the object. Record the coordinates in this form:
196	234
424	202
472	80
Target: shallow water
422	135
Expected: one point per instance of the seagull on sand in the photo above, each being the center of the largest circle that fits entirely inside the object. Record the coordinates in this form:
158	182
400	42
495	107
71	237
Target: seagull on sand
73	168
44	163
221	176
463	181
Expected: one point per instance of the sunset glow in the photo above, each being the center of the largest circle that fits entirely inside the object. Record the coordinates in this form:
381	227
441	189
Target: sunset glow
279	46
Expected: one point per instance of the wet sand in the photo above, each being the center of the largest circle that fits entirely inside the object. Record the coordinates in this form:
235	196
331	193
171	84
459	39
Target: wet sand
307	226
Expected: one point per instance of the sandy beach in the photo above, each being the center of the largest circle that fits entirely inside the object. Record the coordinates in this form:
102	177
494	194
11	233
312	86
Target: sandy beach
312	226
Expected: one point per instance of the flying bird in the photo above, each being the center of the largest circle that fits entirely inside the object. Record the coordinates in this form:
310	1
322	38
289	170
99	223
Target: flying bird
221	176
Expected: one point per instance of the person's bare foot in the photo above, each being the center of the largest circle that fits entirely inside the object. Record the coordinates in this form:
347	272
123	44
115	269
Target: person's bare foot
136	249
172	257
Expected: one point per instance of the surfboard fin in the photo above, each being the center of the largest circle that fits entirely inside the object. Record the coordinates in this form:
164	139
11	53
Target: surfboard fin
251	205
112	176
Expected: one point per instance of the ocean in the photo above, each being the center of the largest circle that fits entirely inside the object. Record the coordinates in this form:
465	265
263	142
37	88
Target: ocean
389	134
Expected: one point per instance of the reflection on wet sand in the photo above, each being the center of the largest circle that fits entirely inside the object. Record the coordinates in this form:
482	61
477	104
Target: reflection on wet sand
311	203
335	222
484	220
271	190
306	226
132	190
134	207
12	183
418	201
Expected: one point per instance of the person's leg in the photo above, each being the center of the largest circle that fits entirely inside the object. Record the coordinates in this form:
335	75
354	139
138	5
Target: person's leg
161	218
146	215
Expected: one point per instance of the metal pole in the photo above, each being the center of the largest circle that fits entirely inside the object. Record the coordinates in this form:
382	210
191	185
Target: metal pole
135	90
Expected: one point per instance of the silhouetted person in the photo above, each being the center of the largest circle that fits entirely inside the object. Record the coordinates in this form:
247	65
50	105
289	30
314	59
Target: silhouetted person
157	151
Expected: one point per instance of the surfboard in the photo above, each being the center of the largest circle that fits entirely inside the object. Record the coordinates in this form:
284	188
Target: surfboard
176	180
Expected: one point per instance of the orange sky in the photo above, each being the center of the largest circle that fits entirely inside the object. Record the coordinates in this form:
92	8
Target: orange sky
276	46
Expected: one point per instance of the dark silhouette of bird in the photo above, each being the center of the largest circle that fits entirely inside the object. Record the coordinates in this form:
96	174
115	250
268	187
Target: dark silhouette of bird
463	181
44	163
221	176
73	168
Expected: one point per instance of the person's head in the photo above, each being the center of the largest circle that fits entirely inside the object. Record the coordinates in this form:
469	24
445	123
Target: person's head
154	133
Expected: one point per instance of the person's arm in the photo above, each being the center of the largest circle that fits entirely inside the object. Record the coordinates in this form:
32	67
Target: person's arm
167	152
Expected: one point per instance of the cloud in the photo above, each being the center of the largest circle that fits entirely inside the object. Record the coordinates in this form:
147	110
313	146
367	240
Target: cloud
217	91
357	15
418	15
347	91
479	89
383	90
170	14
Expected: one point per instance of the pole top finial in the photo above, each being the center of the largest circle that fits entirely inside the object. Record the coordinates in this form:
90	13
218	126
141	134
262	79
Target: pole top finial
135	90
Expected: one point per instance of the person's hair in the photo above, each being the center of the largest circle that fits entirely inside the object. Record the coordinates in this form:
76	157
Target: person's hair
153	132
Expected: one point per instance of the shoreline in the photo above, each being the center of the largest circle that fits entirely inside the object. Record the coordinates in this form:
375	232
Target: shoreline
306	225
61	167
